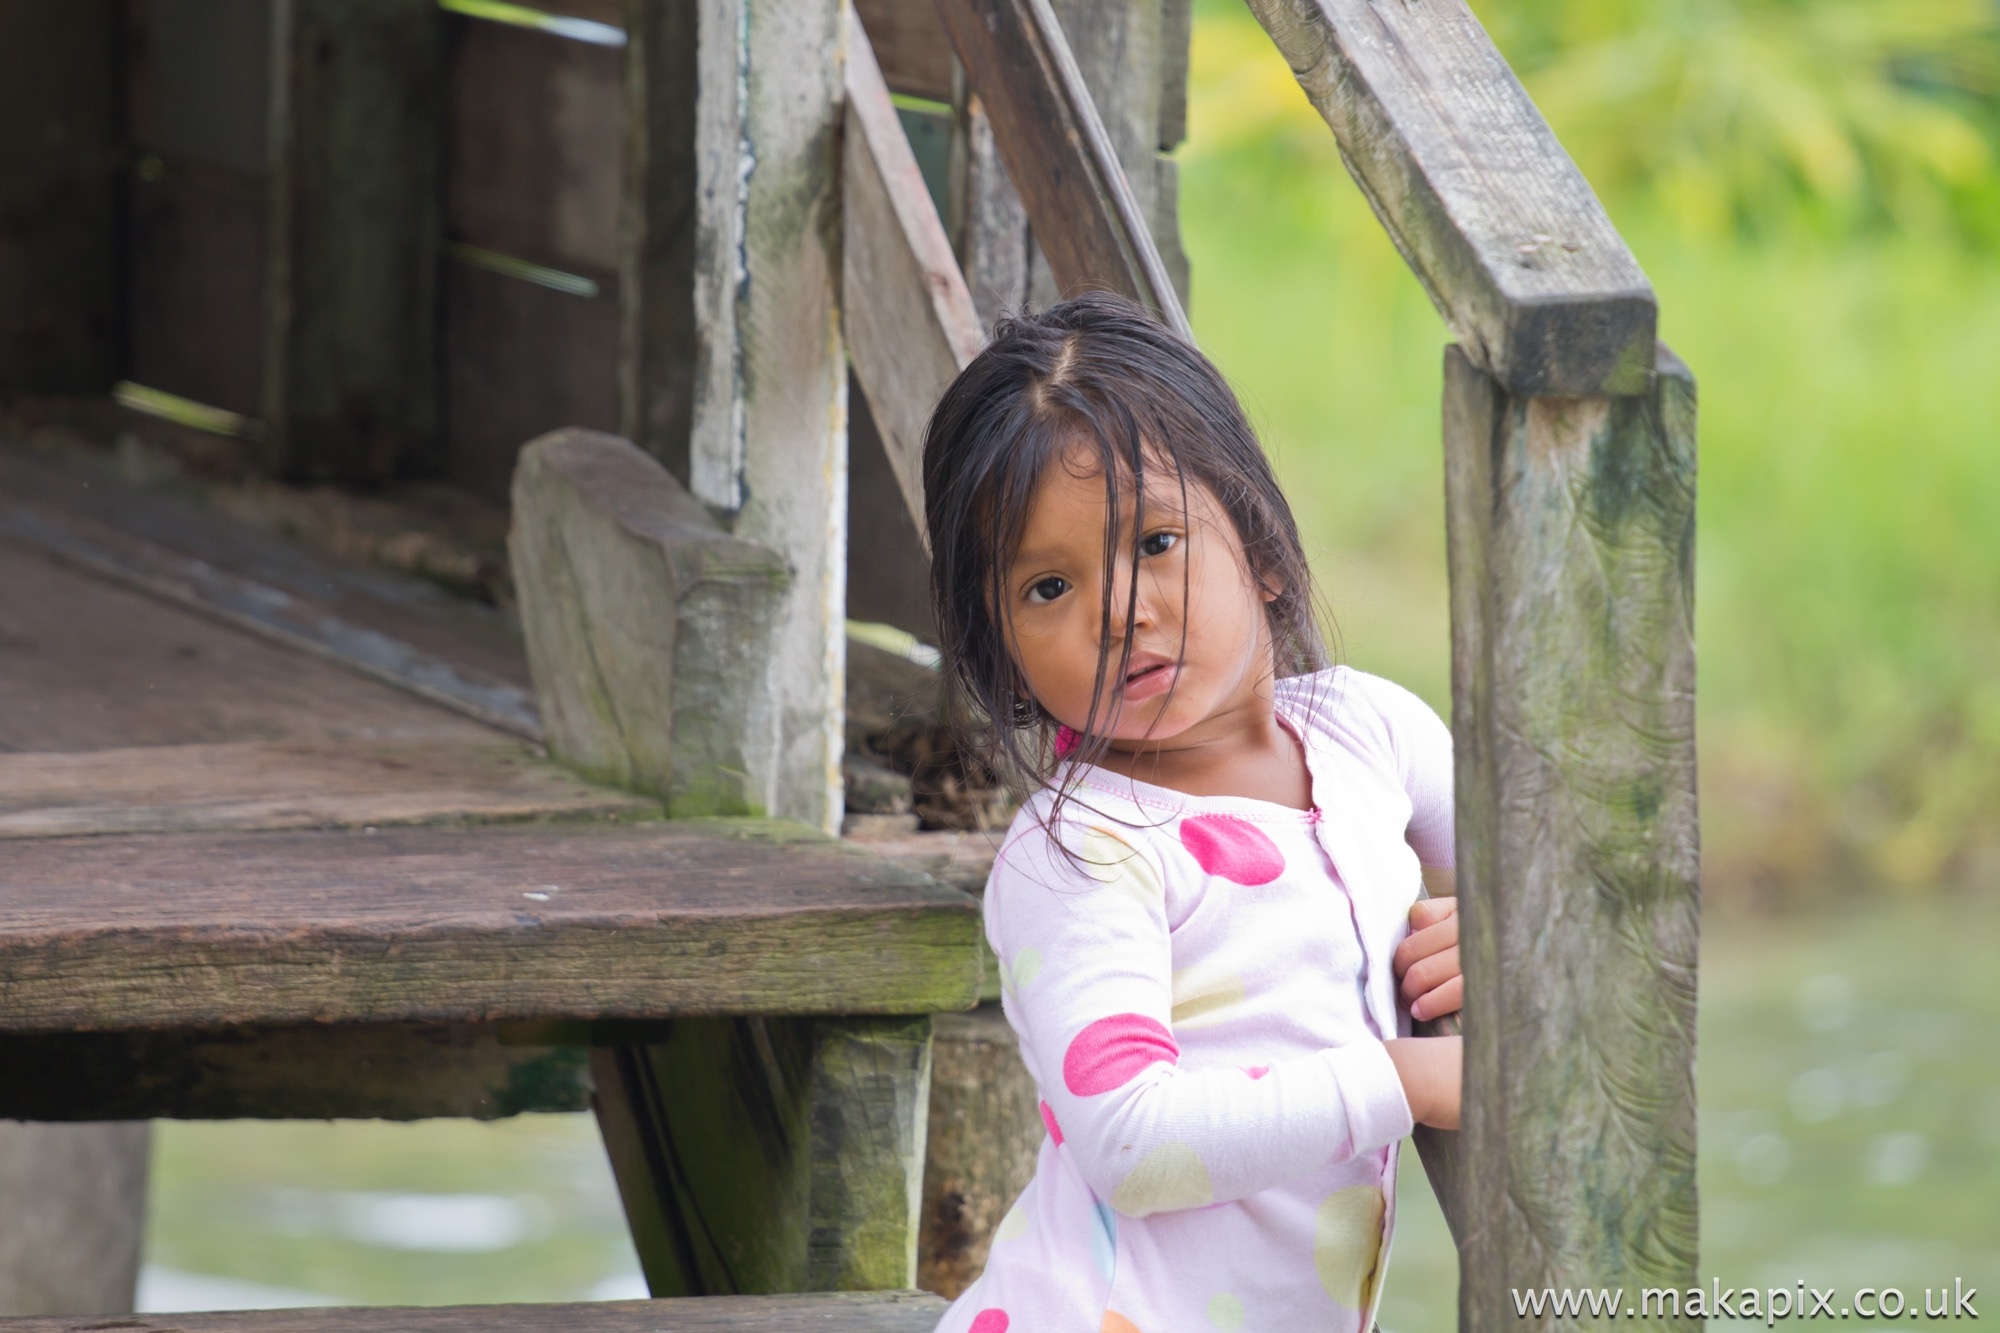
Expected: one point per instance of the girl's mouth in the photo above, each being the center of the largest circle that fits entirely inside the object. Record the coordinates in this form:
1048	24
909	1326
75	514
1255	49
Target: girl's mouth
1148	679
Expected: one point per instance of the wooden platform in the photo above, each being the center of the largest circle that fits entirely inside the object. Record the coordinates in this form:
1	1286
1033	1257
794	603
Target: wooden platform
834	1312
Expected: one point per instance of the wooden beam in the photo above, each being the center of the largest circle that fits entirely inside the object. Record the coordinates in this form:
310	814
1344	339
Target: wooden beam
1516	252
908	317
733	370
321	1071
351	361
1571	542
846	1312
911	45
1058	152
764	1154
472	924
59	160
75	1200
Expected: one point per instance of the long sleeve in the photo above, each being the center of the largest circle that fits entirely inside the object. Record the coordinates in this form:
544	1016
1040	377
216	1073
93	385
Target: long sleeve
1420	744
1085	944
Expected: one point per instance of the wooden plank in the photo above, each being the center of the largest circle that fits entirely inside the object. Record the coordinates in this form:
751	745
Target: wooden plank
446	924
534	150
351	380
272	613
76	1215
59	324
90	665
985	1131
888	571
521	360
648	626
198	81
1058	152
1516	252
911	46
83	485
908	317
847	1312
317	1072
989	223
1571	540
758	1155
247	785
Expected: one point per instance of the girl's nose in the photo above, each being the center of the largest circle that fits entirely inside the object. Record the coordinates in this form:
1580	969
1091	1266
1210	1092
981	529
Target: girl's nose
1124	612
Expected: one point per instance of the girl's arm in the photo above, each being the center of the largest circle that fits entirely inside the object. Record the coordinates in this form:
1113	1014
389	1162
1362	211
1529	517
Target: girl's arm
1087	985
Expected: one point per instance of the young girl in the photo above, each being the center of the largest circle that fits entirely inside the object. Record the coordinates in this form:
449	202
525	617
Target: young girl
1199	909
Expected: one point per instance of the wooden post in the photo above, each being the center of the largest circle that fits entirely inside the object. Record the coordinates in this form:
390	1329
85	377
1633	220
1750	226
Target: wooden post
351	362
764	1155
75	1201
1571	534
732	369
648	627
58	197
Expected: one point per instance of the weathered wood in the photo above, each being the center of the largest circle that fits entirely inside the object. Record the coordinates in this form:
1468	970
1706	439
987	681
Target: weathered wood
733	370
826	1312
910	44
271	613
535	148
1440	1150
888	570
1571	526
351	383
985	1131
521	360
90	665
989	224
1516	252
907	315
471	924
1060	156
59	158
322	1071
771	1154
471	636
75	1197
649	627
249	785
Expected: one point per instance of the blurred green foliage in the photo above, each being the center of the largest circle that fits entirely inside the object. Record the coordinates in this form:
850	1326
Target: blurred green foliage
1812	187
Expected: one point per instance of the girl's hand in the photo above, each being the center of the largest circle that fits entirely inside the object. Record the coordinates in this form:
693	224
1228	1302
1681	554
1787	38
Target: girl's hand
1431	1070
1426	962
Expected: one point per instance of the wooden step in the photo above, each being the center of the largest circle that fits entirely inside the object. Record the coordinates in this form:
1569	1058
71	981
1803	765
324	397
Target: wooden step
831	1312
472	925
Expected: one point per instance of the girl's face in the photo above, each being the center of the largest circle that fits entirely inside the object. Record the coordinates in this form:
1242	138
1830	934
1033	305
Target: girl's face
1200	645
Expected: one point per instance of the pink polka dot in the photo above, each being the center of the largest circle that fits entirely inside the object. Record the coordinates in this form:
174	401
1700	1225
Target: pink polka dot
989	1321
1049	1119
1232	848
1256	1071
1112	1051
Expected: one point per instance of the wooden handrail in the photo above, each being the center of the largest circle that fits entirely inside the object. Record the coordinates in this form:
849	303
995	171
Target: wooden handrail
1515	250
1055	147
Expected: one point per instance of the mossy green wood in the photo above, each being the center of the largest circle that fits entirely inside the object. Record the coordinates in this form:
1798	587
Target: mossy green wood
1571	530
762	1155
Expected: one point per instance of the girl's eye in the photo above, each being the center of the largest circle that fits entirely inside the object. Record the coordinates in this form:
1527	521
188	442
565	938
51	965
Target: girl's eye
1158	543
1048	589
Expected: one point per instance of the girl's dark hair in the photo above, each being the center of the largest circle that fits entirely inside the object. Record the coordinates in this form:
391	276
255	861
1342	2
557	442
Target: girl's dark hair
1100	375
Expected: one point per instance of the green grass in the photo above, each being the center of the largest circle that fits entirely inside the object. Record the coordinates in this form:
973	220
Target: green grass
1848	580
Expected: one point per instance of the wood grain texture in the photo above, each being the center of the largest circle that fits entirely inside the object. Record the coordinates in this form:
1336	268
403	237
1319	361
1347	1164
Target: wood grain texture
90	665
351	361
521	360
59	160
985	1132
649	628
270	613
989	223
1058	152
1516	252
911	46
871	1312
445	925
765	1154
248	785
535	148
457	629
322	1071
908	318
1571	534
